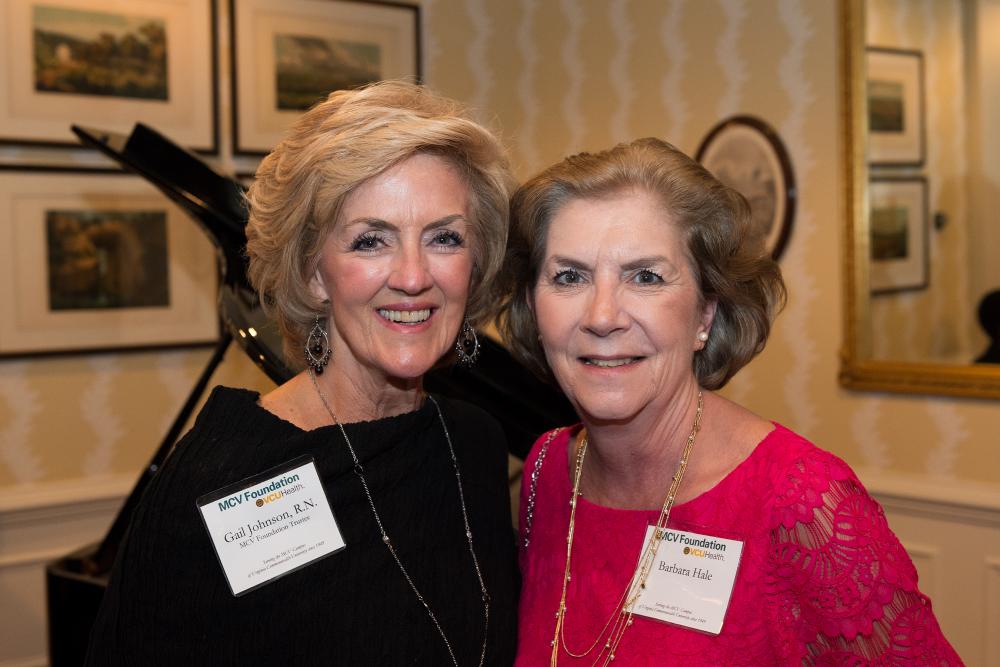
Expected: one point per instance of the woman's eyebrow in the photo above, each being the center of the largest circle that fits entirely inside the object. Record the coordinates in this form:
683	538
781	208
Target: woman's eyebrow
446	220
568	261
376	223
379	223
643	262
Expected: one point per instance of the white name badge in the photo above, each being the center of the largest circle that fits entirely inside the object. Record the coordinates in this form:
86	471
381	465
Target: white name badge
271	524
691	580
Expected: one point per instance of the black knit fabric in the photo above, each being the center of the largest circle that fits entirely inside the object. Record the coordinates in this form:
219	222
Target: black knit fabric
168	601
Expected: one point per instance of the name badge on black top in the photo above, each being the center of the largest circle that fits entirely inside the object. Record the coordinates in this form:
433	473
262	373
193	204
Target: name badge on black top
271	524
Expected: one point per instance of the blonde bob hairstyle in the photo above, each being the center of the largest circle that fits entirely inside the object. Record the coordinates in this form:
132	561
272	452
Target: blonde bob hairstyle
714	220
352	136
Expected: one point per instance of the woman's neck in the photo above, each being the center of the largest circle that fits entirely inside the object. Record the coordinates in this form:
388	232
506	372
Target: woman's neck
365	396
629	464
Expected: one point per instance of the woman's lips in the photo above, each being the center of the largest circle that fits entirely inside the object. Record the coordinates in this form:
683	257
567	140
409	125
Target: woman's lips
415	316
610	362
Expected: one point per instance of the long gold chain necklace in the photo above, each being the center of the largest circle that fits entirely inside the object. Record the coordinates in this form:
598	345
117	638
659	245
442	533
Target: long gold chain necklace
621	614
359	471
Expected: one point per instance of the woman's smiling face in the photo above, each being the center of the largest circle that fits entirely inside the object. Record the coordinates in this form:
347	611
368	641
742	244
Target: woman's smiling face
618	306
396	269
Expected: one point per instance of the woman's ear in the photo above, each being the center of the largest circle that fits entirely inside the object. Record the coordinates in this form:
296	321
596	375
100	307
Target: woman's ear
317	287
708	314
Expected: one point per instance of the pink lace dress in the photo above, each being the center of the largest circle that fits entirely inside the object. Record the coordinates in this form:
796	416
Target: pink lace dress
822	580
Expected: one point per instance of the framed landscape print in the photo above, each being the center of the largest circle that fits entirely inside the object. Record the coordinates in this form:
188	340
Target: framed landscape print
108	64
99	261
746	154
289	54
895	107
899	234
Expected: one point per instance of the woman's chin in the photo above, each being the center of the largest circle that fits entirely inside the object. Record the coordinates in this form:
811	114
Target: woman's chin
607	412
407	370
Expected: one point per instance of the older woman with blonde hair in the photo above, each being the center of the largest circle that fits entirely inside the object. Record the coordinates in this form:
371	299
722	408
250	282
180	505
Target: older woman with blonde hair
673	526
346	517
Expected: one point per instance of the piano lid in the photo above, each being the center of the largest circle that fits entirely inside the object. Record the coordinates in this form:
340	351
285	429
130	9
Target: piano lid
213	200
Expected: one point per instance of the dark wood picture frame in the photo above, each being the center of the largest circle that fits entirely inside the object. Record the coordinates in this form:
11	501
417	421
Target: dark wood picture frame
258	119
746	153
895	105
31	327
900	257
40	128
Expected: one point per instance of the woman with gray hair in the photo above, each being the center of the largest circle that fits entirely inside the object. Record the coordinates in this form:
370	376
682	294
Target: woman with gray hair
673	526
346	517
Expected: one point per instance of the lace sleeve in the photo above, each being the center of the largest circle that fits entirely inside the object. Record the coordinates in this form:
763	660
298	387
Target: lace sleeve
847	589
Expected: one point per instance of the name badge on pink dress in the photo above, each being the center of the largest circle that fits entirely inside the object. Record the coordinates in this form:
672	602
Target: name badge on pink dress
691	580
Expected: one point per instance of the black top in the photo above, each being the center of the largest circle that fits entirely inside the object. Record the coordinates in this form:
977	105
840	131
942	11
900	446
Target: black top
168	601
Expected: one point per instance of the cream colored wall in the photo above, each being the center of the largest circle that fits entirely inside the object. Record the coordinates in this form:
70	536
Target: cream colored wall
984	154
568	76
939	322
561	76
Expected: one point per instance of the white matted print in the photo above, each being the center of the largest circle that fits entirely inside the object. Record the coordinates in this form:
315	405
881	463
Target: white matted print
289	54
108	64
100	261
895	107
899	233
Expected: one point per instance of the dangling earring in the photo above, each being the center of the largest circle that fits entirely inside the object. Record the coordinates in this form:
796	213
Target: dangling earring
467	345
317	348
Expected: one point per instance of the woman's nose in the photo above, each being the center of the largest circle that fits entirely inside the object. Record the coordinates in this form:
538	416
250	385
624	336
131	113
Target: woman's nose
604	314
410	273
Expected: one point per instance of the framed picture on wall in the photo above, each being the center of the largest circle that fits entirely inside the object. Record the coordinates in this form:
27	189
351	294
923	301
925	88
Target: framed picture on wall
746	154
108	64
99	260
899	234
289	54
895	107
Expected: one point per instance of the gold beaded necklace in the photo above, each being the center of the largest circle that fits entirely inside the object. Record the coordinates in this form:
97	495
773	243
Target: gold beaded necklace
621	615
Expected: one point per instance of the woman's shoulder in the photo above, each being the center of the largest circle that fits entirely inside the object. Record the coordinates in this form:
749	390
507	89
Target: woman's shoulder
472	428
465	414
229	411
804	477
553	439
790	455
230	420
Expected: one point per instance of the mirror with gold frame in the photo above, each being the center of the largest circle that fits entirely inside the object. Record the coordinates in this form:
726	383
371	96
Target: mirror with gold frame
925	337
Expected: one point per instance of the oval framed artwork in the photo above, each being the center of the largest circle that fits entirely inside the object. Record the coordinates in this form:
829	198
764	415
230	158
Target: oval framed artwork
746	154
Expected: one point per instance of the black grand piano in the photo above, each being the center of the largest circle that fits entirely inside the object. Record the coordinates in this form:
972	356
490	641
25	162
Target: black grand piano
523	405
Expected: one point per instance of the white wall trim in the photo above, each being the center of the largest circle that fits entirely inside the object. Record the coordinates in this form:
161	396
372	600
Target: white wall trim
36	661
30	503
40	523
33	557
937	498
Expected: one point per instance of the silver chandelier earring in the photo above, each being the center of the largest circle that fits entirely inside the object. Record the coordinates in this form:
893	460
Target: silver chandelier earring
467	345
317	348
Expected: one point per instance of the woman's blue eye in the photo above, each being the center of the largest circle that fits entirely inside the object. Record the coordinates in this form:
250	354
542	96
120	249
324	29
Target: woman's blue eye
368	241
567	277
448	237
647	277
